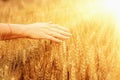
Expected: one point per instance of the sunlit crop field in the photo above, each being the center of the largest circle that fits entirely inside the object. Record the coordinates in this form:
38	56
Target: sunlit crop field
92	53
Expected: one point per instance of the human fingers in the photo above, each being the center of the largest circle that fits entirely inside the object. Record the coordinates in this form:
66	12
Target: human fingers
52	38
56	34
60	27
61	32
43	35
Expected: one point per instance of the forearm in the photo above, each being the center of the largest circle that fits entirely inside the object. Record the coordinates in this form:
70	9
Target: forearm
11	31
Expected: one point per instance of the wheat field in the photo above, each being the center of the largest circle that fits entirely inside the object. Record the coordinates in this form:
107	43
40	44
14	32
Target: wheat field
92	53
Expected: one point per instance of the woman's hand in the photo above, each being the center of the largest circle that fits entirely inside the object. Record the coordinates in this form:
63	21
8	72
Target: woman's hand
47	31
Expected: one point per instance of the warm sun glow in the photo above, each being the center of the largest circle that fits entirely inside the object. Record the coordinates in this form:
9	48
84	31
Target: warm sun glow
92	52
109	7
113	6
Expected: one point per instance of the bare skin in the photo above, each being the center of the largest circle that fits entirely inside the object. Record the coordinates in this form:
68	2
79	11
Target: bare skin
49	31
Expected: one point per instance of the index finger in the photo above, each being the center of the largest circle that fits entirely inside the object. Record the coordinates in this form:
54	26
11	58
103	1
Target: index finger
60	27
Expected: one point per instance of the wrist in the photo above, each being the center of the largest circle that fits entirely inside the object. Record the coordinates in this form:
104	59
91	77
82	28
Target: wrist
18	30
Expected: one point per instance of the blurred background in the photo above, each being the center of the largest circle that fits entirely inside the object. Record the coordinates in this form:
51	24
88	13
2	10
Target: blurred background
92	53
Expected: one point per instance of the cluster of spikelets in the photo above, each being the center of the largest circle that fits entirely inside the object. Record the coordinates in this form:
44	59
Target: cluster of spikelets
92	53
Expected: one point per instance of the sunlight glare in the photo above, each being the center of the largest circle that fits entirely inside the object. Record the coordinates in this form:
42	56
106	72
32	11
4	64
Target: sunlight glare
113	6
